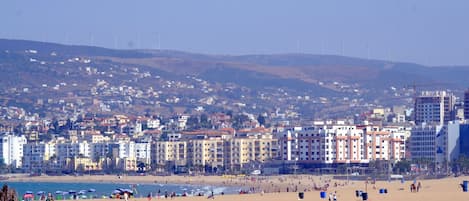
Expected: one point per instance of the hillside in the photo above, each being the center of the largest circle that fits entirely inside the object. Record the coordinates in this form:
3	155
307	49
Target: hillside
140	79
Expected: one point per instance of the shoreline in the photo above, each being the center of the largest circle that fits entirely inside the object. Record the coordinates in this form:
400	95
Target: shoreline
280	183
273	188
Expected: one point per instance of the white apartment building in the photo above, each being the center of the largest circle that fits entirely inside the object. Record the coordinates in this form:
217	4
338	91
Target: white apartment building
384	145
67	150
11	149
143	152
99	150
126	149
153	123
323	143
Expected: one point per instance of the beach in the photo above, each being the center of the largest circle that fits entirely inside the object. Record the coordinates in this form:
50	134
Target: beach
267	188
268	184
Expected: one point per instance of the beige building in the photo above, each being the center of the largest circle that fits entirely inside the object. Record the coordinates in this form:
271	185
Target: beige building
207	152
83	164
252	149
169	151
214	152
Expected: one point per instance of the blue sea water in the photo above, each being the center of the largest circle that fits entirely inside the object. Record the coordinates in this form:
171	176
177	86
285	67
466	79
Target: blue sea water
106	189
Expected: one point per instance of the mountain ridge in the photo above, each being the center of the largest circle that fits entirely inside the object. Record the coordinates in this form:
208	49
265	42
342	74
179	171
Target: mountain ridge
31	64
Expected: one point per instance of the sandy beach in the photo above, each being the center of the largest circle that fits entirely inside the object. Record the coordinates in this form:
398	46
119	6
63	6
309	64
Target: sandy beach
268	184
432	190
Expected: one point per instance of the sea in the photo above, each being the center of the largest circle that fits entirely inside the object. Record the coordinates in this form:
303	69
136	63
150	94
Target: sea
101	190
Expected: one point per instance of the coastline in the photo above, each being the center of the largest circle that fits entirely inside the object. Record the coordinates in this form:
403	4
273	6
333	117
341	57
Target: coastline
266	188
280	183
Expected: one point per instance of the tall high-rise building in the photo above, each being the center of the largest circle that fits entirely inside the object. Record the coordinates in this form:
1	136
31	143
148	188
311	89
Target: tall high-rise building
428	142
466	105
11	149
434	107
464	140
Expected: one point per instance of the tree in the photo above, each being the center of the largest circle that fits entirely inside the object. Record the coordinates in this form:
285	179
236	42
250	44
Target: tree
402	166
261	120
238	120
461	164
193	122
3	166
204	122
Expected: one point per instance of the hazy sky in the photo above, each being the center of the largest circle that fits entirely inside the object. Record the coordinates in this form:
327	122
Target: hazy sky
433	32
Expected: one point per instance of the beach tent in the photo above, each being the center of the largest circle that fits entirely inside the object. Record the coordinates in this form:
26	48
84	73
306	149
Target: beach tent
28	196
59	195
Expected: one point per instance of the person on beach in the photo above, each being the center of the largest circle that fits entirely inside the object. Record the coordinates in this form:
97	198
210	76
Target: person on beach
49	197
419	185
212	196
126	196
149	196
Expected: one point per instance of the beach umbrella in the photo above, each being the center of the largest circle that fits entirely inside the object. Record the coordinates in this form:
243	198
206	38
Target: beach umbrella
91	190
28	192
72	191
40	192
58	192
128	191
28	196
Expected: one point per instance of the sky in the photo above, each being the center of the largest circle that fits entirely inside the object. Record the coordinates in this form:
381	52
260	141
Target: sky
429	32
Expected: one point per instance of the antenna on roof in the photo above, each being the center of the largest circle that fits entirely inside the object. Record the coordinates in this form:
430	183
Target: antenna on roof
91	39
67	39
342	50
368	51
159	42
115	42
322	47
298	46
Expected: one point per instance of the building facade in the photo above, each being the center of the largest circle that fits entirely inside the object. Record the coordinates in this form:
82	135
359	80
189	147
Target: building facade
11	149
428	142
434	107
466	105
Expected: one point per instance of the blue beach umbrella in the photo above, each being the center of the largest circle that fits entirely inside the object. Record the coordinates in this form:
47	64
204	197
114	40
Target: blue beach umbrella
58	192
128	190
91	190
28	192
40	192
